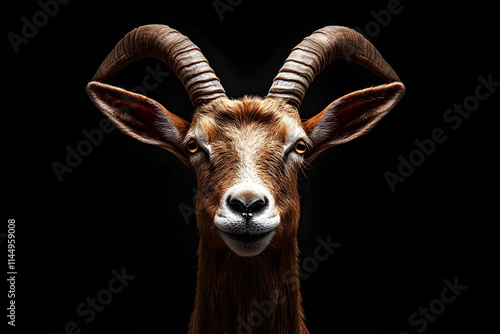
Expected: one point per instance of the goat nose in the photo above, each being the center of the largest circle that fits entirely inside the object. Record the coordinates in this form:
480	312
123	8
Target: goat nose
247	208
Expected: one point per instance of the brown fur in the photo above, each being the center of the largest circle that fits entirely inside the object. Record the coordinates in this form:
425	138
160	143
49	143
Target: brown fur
237	294
231	287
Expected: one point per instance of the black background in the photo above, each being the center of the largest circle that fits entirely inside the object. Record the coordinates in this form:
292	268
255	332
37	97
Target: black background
120	206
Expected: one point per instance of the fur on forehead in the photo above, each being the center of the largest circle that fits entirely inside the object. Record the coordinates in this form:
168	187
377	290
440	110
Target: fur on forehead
226	113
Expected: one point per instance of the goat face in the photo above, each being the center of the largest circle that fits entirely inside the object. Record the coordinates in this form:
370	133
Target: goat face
246	154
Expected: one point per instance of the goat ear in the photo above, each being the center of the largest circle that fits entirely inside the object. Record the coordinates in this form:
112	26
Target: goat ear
140	117
351	116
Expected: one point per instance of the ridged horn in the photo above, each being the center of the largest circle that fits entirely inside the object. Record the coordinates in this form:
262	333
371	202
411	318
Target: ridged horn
177	51
316	52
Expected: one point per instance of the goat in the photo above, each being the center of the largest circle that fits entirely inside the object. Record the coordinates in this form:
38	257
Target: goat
246	154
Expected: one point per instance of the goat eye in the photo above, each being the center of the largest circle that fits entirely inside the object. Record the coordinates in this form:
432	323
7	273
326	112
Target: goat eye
192	146
300	147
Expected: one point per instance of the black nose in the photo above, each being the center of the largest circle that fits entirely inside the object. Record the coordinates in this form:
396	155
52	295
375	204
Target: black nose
247	208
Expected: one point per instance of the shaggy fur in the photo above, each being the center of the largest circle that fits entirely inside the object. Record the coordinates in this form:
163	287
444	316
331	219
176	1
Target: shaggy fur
231	288
235	294
246	144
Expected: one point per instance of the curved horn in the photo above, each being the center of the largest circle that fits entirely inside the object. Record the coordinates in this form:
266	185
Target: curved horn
317	51
177	51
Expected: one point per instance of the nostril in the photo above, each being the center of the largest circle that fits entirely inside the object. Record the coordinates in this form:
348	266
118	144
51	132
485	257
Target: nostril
237	204
247	209
257	205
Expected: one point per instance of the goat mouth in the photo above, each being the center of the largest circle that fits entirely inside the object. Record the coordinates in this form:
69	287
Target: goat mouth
247	244
247	237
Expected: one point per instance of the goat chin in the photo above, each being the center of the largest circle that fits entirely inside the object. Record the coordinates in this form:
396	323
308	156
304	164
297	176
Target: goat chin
247	245
247	237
